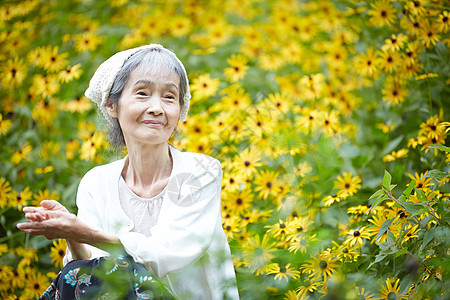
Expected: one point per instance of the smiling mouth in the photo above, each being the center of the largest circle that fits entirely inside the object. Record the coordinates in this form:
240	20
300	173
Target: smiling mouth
151	122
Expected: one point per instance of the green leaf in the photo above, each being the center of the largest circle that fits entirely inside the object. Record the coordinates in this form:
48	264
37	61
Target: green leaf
421	195
408	190
390	236
386	180
401	252
436	174
384	228
377	202
428	237
405	284
440	147
378	258
377	194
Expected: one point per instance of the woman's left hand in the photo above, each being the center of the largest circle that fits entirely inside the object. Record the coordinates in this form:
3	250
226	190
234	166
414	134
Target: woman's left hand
51	220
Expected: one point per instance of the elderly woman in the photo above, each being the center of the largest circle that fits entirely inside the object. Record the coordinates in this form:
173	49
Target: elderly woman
158	204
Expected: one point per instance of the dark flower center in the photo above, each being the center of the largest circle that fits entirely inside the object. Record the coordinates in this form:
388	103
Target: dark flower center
323	264
356	233
347	185
247	163
283	270
269	184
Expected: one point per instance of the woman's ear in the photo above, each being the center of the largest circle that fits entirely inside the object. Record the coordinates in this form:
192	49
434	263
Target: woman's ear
112	110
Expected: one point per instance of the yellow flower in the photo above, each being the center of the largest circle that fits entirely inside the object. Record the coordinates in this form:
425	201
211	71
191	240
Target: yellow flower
257	253
412	233
21	199
180	26
58	251
44	195
239	201
204	86
383	13
21	154
70	73
330	199
422	182
13	73
347	185
266	183
87	41
36	284
5	125
238	67
54	62
79	104
430	34
248	160
283	272
444	21
356	237
5	192
322	265
71	147
395	155
390	61
391	289
395	43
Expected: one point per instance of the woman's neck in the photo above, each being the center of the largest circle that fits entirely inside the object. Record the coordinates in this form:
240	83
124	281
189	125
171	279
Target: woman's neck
147	166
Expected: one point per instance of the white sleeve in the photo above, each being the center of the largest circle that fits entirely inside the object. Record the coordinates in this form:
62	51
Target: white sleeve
87	212
186	231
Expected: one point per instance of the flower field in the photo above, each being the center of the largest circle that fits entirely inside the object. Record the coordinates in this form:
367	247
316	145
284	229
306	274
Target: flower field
330	119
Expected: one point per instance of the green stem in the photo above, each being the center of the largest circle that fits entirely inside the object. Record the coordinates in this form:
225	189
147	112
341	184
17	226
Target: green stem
5	238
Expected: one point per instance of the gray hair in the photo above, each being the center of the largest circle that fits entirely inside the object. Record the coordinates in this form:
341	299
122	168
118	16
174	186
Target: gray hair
154	59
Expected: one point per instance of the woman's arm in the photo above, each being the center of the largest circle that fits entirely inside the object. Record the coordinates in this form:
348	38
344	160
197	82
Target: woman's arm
53	220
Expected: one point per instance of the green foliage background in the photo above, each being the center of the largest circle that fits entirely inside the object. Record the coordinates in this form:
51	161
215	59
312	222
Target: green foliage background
307	105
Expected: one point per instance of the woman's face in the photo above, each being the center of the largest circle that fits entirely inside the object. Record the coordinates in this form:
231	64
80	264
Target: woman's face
149	107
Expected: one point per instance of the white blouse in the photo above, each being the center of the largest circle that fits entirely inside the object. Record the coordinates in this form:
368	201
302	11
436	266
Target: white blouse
187	247
144	212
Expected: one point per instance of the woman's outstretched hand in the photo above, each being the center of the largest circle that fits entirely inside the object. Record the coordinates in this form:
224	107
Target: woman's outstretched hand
51	220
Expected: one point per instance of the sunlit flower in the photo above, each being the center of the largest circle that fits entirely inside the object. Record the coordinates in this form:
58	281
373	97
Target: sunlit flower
22	153
283	272
13	73
258	253
422	182
266	183
58	251
322	265
238	67
70	73
390	61
394	43
5	125
79	104
54	62
412	233
5	192
44	195
347	185
204	86
383	13
356	237
391	289
21	199
430	34
330	199
36	284
395	155
87	41
444	21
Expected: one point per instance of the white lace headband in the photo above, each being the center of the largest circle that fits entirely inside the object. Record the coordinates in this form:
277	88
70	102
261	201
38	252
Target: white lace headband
103	79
